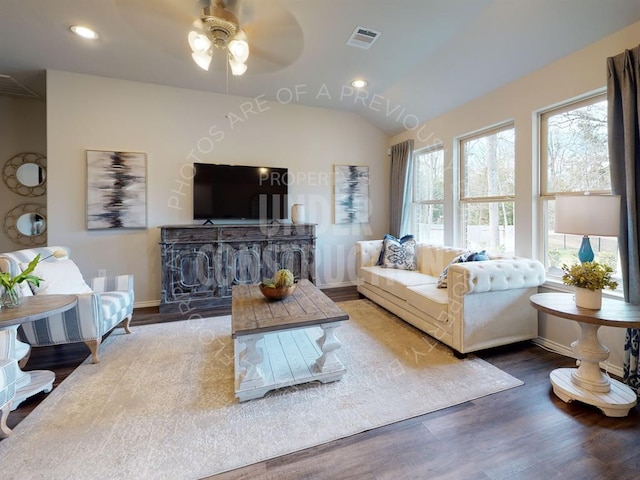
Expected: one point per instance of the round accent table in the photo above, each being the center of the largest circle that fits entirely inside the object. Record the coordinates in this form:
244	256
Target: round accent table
32	308
587	383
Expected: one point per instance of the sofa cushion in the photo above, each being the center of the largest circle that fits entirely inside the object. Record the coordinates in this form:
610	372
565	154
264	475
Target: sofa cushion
400	240
430	300
60	277
395	281
399	254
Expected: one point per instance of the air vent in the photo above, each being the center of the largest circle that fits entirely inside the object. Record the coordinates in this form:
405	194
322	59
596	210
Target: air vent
363	38
10	86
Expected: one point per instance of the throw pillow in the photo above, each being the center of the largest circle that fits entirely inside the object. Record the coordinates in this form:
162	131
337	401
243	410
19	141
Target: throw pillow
389	236
398	254
462	258
60	277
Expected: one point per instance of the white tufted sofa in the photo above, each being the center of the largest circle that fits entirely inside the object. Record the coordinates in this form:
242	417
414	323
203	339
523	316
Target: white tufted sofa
486	303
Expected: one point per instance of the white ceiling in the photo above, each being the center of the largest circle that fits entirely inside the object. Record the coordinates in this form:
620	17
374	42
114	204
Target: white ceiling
433	55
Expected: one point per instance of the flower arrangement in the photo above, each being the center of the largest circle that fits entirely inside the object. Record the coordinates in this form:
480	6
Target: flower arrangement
590	275
10	295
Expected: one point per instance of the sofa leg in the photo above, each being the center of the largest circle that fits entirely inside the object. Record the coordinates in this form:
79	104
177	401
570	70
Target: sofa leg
93	346
5	431
126	322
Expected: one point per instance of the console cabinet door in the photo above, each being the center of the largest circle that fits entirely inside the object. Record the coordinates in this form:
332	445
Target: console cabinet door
200	264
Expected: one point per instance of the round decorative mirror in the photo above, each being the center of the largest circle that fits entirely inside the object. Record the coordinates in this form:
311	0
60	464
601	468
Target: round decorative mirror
30	174
25	174
26	224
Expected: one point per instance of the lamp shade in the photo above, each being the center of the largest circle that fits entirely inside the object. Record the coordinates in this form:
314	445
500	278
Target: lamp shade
596	215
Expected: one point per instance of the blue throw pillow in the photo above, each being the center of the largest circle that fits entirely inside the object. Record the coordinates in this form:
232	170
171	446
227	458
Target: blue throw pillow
388	236
462	258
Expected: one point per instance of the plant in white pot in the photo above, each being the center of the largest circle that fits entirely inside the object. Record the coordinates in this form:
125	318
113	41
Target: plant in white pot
589	279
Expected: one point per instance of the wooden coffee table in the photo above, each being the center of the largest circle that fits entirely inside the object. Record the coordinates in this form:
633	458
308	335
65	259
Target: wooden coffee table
286	342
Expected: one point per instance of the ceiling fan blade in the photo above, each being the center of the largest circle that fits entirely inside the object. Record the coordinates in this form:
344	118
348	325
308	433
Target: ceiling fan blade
164	23
275	37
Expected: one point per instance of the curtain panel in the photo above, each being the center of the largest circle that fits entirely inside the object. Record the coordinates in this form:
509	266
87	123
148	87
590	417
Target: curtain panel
624	158
400	189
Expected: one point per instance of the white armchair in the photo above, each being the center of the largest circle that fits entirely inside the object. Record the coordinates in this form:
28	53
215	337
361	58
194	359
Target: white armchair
102	306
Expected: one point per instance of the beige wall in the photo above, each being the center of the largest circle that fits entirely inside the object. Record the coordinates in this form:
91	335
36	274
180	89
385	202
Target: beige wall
176	127
22	129
575	75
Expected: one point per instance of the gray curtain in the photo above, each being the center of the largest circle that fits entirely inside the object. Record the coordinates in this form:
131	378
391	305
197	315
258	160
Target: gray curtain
400	189
624	157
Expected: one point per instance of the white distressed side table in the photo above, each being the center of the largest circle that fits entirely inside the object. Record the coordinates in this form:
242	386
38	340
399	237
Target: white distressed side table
29	383
587	383
286	342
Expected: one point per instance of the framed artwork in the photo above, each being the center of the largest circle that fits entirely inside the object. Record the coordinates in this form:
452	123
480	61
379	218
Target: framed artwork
351	193
116	189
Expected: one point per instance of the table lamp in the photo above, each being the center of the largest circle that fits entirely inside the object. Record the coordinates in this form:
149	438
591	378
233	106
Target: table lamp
597	215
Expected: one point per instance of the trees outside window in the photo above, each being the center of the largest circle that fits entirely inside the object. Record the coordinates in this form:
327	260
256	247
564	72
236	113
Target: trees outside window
487	189
428	195
574	159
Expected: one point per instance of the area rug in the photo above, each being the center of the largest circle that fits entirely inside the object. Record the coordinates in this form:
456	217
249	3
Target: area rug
161	404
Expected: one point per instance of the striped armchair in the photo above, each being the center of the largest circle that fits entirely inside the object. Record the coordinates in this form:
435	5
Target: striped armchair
108	303
8	375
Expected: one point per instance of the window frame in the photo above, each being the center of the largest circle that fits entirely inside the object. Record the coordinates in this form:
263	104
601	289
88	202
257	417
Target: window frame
463	198
439	147
545	195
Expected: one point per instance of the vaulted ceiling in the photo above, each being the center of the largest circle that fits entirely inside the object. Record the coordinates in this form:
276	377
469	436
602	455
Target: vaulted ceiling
431	56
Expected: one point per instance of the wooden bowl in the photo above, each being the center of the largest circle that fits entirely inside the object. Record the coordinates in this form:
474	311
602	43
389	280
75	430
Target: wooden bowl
277	293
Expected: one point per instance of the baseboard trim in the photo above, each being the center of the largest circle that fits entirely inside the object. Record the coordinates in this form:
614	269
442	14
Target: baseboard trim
148	303
567	352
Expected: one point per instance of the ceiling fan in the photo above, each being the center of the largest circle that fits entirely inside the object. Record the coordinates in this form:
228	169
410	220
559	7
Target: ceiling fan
273	32
220	30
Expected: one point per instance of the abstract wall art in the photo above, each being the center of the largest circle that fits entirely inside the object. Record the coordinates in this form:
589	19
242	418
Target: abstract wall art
116	189
351	194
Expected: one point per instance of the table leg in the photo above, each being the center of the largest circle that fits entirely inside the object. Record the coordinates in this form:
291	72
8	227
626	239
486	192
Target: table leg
329	343
251	362
590	353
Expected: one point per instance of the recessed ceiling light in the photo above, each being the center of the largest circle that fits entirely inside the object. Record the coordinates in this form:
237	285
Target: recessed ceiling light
359	83
84	32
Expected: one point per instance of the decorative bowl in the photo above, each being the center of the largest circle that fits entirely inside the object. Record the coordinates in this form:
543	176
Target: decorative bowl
277	293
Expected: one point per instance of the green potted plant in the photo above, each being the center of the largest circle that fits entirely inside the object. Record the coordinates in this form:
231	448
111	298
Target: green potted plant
589	279
10	297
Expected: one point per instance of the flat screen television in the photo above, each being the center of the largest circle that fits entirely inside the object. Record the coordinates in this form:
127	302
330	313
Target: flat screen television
238	192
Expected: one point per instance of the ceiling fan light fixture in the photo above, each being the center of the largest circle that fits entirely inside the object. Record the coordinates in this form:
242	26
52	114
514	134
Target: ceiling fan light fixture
239	49
203	60
359	83
198	42
237	68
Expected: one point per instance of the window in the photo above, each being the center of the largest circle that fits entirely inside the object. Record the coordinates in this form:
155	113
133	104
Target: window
574	159
487	189
427	210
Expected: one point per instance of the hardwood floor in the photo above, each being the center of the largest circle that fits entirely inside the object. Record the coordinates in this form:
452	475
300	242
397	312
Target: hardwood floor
522	433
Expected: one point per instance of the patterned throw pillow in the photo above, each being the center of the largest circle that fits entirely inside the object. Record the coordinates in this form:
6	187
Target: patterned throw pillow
399	254
462	258
388	235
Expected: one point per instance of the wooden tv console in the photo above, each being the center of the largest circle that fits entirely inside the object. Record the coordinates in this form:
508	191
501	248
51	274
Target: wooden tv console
200	263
